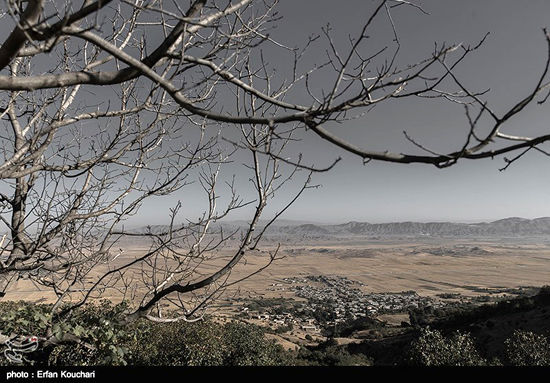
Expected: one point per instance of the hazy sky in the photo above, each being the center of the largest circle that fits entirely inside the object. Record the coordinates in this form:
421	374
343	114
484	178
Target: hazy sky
508	63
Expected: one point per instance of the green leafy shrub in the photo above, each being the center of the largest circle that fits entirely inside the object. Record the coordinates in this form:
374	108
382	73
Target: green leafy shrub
24	317
97	325
176	344
106	340
431	348
525	348
246	345
329	353
204	343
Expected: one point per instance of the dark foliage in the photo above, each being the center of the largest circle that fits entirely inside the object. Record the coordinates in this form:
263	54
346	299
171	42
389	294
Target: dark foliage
105	340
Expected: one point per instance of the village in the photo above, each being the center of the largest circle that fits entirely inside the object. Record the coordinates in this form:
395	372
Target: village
328	300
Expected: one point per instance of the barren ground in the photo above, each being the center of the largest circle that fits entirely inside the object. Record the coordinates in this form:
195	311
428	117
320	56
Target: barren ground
428	266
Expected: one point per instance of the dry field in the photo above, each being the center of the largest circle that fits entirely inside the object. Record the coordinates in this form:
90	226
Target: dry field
426	265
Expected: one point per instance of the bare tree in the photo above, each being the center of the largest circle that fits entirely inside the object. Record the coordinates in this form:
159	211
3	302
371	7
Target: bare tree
108	104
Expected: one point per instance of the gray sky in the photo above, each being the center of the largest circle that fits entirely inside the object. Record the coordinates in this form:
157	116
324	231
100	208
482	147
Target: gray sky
508	63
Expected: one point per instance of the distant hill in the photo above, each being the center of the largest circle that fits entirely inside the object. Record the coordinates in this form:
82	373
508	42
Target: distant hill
513	226
504	227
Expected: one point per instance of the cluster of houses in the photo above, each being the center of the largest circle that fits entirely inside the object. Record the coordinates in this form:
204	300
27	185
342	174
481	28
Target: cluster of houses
286	319
338	294
342	298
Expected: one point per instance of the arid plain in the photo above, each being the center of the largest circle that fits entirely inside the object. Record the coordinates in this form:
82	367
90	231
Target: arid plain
429	266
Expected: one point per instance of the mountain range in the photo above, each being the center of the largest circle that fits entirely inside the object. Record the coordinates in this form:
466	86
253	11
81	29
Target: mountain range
513	226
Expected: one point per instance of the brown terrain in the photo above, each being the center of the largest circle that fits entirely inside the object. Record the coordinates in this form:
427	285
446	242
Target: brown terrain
457	266
427	266
430	266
